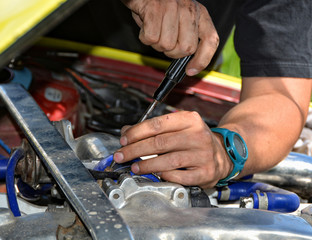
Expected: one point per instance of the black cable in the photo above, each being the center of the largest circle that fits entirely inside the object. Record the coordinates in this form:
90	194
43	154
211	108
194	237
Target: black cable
102	175
97	100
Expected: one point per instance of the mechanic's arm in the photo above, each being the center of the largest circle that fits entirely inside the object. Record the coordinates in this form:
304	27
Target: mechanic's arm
270	117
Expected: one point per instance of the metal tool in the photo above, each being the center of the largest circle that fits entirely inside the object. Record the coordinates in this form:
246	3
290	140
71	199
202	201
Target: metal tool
174	74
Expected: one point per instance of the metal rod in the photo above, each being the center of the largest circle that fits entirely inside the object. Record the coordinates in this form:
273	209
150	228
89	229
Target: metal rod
79	187
148	111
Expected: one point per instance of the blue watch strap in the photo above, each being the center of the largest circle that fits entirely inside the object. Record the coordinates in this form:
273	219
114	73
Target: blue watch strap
238	157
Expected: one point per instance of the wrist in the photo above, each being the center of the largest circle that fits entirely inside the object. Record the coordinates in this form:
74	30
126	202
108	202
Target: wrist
225	163
236	150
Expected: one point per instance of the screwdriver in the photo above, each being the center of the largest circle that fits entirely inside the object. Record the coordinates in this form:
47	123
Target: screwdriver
174	74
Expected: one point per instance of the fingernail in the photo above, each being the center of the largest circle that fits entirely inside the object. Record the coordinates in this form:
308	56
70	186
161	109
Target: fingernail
192	72
124	128
123	140
118	157
135	168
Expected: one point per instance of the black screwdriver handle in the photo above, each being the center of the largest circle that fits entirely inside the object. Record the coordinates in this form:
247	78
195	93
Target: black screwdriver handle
174	75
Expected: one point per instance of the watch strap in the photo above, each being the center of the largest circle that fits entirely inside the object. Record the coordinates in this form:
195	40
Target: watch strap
236	158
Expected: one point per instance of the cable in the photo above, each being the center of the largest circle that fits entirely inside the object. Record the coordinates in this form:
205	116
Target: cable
17	155
5	147
102	175
98	101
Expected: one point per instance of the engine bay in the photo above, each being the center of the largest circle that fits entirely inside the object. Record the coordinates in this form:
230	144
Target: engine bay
61	115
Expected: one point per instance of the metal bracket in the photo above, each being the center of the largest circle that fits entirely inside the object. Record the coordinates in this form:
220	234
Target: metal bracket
84	194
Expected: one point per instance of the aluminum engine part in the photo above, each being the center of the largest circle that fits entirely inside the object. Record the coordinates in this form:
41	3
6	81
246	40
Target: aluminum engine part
152	217
306	214
130	188
294	173
34	226
90	146
30	168
150	210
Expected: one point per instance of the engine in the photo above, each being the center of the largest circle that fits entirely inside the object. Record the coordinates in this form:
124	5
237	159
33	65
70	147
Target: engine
58	187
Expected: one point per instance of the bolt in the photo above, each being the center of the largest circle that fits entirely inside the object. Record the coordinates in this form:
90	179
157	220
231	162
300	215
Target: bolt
181	195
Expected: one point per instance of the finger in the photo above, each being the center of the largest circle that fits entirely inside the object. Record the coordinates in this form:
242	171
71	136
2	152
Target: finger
165	143
170	28
191	177
195	138
167	123
209	41
149	19
125	128
166	162
188	32
137	19
159	144
152	24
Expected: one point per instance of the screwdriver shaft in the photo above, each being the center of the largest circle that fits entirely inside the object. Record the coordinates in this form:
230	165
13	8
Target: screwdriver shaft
175	73
148	111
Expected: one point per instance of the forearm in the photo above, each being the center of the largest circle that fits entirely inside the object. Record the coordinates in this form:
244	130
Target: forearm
270	120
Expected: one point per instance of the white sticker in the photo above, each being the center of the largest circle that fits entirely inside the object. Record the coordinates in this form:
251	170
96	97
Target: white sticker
53	94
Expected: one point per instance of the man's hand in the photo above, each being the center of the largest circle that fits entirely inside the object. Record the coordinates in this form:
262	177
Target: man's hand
178	28
188	152
269	117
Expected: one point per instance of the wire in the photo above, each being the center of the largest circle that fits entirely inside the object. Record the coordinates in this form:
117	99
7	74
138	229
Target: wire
102	175
98	101
5	147
17	155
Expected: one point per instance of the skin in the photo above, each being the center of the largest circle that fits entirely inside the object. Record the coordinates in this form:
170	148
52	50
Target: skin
177	28
269	117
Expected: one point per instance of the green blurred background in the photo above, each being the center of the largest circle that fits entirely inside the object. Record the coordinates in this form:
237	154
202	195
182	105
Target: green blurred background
230	60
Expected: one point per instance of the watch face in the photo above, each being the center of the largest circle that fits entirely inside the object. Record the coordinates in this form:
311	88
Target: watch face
240	146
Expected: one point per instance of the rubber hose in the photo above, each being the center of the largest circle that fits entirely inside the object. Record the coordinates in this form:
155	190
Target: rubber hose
17	155
3	166
277	199
5	147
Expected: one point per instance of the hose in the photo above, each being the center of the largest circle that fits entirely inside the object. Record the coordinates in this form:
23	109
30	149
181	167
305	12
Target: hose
3	160
106	162
3	166
260	196
17	155
5	147
294	174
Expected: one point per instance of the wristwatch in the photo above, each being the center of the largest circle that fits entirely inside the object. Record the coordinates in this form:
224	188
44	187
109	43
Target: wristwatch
236	148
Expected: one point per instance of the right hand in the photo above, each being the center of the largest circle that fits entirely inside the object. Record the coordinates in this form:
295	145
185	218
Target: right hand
177	28
180	140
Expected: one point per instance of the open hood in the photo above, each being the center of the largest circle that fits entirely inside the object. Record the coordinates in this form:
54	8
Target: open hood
22	22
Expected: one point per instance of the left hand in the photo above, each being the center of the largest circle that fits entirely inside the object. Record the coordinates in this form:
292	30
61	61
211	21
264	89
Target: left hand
188	152
178	28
